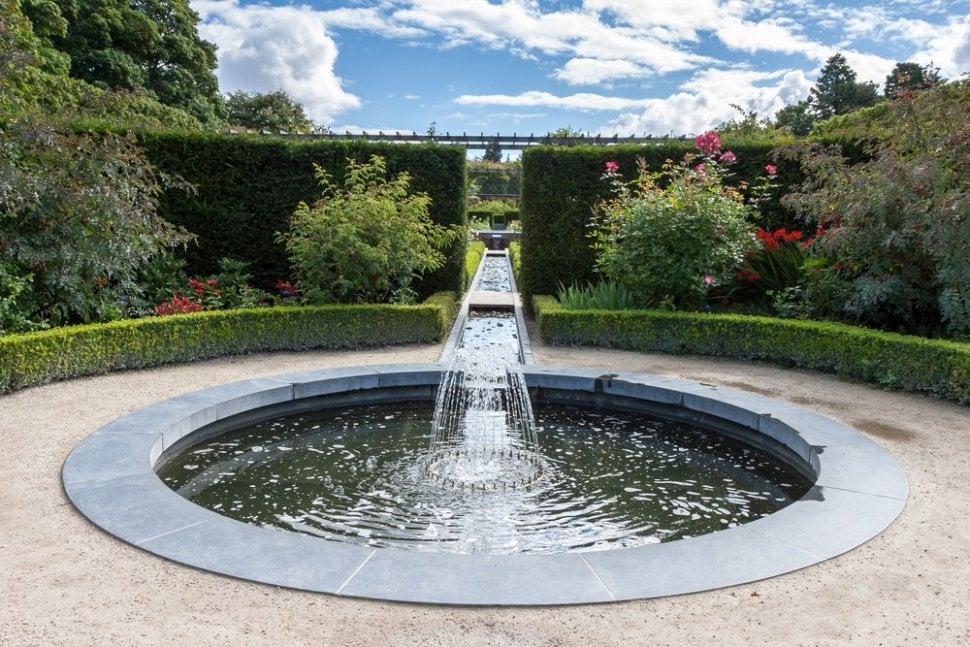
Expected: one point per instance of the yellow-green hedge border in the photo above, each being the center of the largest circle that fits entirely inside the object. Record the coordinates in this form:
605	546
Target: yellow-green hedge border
74	351
937	367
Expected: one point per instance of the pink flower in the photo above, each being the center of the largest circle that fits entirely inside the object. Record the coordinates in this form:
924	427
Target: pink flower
728	157
708	279
771	169
699	170
612	167
708	142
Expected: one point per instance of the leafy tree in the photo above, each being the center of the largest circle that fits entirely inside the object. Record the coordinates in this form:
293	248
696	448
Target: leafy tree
366	241
568	131
750	127
77	219
912	77
796	117
150	44
895	230
275	111
47	22
836	91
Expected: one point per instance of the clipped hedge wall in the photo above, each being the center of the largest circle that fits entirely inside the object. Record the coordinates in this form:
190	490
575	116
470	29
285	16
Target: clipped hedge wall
937	367
74	351
560	186
247	187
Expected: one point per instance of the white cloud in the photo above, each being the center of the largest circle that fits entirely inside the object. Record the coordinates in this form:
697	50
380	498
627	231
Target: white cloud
706	100
949	49
264	49
590	71
584	101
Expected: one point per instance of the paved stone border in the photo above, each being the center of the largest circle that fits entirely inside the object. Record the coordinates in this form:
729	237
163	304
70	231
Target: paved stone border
859	491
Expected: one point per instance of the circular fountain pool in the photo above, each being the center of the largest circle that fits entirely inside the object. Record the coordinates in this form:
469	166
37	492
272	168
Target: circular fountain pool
601	480
858	490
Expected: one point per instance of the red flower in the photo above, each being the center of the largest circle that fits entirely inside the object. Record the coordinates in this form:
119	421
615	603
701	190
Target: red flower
612	167
771	169
177	305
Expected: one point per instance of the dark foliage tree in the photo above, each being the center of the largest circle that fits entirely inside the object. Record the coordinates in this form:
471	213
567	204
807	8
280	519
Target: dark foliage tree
493	153
836	91
77	219
150	45
796	117
912	77
274	111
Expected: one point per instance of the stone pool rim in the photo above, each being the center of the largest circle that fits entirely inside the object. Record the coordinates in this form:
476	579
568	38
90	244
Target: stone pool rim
110	478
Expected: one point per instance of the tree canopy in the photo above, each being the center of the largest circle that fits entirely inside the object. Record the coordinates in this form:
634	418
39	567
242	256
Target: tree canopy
275	111
149	45
836	91
911	76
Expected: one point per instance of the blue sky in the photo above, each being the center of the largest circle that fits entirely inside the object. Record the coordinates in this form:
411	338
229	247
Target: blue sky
627	67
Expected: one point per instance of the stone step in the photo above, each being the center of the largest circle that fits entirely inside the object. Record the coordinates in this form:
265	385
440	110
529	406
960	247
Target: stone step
491	301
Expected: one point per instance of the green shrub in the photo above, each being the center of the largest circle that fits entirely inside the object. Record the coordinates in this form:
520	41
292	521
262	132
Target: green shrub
473	258
78	217
937	367
366	241
608	295
897	224
561	185
62	353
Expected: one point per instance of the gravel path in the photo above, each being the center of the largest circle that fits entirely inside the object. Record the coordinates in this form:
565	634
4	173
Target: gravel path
65	582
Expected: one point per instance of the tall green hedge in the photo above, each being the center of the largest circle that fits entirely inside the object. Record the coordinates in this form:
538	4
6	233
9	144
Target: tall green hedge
248	186
560	186
73	351
903	362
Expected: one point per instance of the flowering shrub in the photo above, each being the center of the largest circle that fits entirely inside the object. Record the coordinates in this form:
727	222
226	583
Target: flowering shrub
769	274
669	246
229	289
179	304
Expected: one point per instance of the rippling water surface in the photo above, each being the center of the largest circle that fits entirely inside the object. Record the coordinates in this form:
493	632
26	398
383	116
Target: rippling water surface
608	481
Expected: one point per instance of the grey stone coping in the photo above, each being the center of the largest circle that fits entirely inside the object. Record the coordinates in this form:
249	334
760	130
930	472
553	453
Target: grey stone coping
491	301
859	491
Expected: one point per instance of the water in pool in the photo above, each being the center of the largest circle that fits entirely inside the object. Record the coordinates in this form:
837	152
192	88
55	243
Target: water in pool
608	480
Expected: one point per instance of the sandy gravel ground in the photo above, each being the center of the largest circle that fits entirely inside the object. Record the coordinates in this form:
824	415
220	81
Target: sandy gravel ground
64	582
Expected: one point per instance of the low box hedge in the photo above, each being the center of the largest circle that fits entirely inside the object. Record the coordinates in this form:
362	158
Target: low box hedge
473	258
74	351
937	367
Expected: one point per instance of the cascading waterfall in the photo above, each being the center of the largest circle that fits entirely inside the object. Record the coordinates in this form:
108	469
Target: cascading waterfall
483	430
